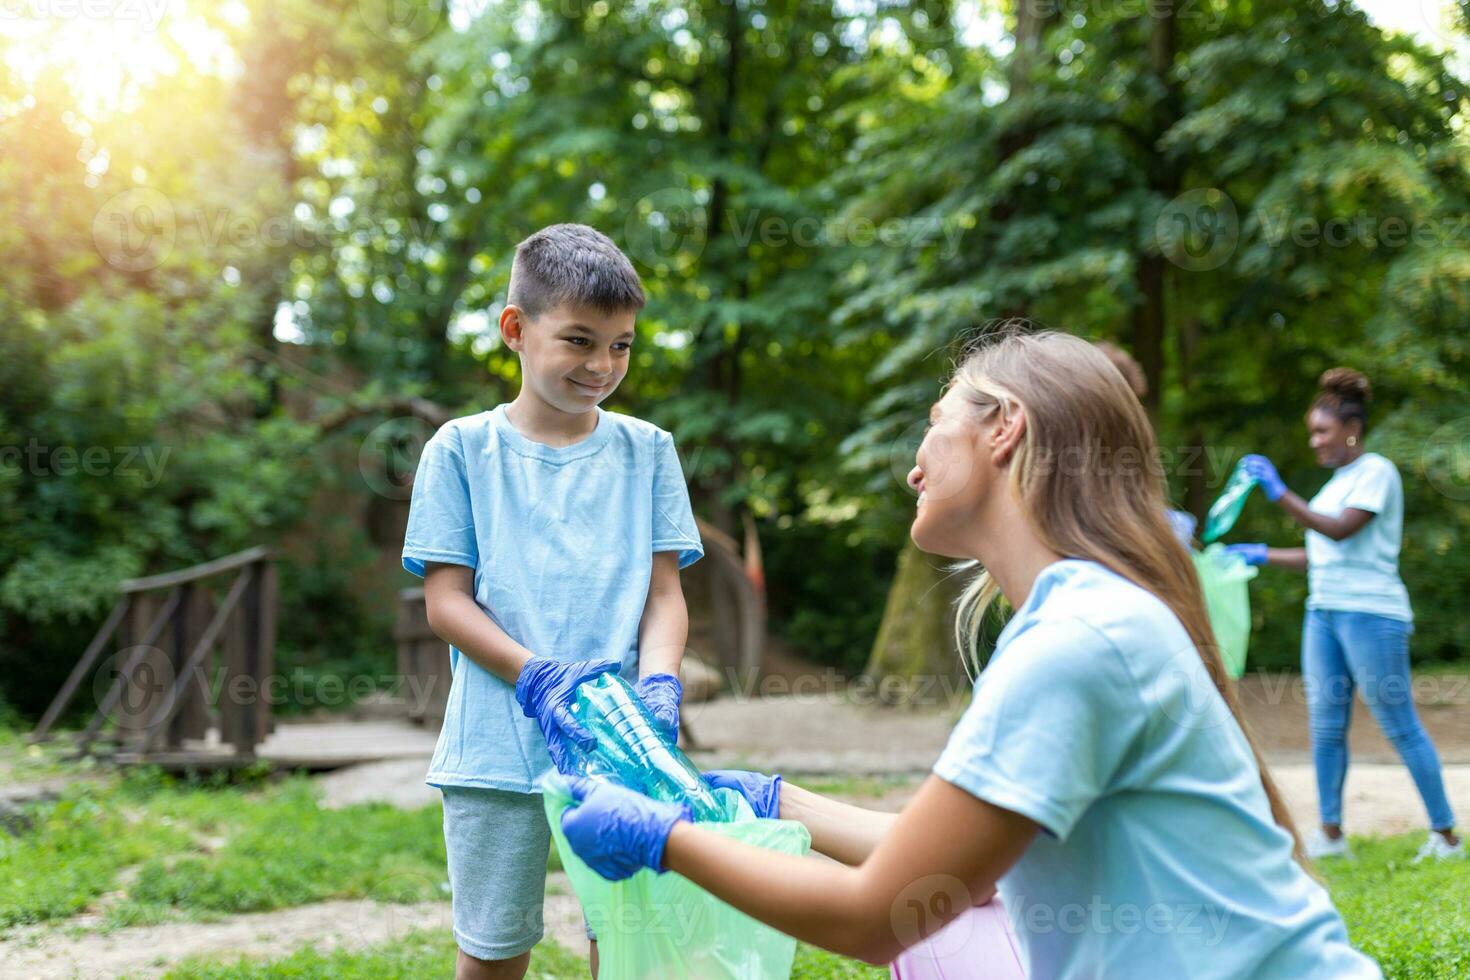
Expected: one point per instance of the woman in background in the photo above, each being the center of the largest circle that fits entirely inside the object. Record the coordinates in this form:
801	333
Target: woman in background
1356	633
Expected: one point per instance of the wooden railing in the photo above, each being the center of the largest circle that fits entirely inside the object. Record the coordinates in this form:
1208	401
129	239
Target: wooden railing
161	693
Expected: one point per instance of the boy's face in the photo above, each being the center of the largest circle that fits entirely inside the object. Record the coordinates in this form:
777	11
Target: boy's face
571	357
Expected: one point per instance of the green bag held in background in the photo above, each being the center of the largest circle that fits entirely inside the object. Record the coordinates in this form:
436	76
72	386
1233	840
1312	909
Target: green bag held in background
1227	507
664	925
1223	578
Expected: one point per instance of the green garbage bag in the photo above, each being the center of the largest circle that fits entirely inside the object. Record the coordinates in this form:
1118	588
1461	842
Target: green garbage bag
1223	578
653	925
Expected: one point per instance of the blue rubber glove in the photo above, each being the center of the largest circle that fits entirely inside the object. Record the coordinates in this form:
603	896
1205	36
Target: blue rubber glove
662	694
762	792
616	831
545	690
1254	554
1263	471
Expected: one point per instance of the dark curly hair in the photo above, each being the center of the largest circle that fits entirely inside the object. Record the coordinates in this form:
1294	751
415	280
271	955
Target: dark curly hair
1344	393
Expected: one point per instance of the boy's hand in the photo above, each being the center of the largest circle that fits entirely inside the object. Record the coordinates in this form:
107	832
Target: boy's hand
661	693
545	690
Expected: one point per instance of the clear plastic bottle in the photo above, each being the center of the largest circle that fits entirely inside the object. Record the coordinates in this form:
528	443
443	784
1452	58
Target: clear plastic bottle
1227	507
631	751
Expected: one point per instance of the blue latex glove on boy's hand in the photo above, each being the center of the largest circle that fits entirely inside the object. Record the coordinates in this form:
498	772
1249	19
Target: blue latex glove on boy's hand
661	693
762	792
616	831
1263	471
545	690
1253	554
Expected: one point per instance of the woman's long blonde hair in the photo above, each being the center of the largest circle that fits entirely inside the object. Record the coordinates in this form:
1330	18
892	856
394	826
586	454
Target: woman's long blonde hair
1088	474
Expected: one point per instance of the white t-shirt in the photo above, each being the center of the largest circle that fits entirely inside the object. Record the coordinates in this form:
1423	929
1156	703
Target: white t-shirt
1360	573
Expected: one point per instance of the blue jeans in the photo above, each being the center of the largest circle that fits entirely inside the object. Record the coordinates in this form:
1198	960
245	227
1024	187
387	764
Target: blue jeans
1343	651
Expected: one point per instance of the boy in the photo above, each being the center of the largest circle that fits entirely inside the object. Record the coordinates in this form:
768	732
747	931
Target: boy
550	535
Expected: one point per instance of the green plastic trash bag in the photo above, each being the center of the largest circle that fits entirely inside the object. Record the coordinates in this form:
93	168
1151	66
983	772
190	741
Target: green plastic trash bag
1223	578
663	925
1227	507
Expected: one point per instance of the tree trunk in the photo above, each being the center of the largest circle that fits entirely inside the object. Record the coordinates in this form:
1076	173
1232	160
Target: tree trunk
1150	316
916	638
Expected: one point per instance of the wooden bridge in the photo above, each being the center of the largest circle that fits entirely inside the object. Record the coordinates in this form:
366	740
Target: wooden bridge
184	684
189	683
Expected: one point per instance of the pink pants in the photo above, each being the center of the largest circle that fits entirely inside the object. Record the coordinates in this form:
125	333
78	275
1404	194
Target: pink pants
979	945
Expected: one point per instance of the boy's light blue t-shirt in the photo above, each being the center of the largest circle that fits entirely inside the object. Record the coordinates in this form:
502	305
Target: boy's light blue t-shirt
1096	719
562	543
1360	573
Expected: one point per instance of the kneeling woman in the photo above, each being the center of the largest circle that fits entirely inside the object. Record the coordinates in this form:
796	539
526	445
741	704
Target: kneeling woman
1101	765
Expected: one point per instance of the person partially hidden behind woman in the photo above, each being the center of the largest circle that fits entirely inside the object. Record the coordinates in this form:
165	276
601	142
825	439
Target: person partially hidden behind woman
1356	633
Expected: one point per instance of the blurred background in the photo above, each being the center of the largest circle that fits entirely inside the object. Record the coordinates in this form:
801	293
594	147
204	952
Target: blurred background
252	255
254	252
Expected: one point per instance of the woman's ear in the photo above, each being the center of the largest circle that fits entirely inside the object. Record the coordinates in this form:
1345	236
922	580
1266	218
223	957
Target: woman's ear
1006	435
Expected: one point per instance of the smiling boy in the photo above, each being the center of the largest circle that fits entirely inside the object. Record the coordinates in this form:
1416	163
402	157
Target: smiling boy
550	535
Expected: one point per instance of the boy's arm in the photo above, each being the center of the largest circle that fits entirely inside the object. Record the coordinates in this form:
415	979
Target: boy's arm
456	618
664	628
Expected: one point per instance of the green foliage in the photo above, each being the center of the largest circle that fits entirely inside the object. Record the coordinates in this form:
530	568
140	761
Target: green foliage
823	199
70	854
204	848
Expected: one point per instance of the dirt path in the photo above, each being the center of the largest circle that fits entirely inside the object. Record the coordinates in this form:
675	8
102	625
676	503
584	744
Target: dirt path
71	950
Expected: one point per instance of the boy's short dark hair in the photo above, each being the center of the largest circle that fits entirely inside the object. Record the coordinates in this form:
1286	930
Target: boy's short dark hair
576	265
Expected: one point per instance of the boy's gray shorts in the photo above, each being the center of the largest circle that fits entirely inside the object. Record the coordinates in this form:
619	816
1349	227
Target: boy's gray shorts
497	843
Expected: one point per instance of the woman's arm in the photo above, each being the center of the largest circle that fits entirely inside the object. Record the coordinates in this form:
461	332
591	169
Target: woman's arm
457	619
1344	525
1292	558
943	850
841	831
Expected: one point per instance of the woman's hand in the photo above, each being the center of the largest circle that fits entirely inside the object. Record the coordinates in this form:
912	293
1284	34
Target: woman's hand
661	693
1263	471
762	792
1253	554
616	831
544	690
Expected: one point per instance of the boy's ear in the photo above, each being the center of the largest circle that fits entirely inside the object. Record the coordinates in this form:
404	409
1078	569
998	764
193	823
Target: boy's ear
512	327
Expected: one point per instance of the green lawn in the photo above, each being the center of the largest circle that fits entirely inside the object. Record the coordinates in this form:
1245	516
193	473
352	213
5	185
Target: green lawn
166	849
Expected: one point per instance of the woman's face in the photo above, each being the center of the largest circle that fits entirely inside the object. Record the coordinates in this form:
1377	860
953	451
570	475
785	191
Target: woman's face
1328	438
951	474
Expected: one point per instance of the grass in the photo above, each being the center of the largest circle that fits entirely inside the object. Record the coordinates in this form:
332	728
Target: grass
422	954
206	849
419	954
1413	919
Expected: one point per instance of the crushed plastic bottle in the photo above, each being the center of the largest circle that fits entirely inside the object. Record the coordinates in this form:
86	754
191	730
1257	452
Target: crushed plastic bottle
1225	511
631	751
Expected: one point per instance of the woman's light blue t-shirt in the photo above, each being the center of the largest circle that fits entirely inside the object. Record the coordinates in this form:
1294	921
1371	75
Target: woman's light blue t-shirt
562	543
1096	719
1360	573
